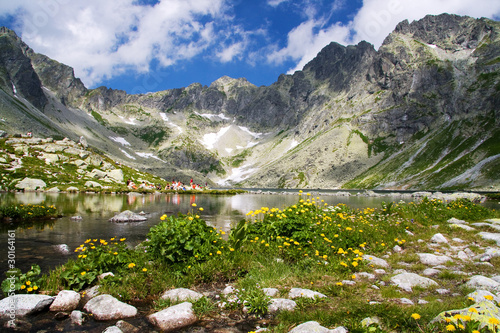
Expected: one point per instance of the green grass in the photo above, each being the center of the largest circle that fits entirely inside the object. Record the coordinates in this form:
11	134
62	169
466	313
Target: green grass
307	245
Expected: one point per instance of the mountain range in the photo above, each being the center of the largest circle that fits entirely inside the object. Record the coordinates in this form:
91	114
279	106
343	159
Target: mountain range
421	112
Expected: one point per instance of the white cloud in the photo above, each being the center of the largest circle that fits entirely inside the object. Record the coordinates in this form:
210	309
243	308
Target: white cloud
275	3
231	52
304	42
104	38
101	39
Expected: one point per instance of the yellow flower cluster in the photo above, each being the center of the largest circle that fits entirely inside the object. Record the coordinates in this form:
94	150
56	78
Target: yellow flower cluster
29	287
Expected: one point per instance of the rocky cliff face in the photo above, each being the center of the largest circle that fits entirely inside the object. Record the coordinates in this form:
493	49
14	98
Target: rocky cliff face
420	112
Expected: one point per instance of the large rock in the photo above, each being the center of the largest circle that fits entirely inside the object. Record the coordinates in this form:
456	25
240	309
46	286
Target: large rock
174	317
116	174
483	282
98	174
484	295
22	305
30	184
181	295
375	261
66	300
491	236
315	327
91	183
482	313
77	317
432	259
128	216
299	292
407	281
439	238
281	304
106	307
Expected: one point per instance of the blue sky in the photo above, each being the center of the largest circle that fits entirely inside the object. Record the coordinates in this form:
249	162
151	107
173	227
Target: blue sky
151	45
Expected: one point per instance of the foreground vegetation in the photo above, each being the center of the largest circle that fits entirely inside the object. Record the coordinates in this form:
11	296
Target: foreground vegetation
309	245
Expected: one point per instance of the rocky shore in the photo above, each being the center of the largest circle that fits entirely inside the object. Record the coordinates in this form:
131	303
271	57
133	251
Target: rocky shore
92	311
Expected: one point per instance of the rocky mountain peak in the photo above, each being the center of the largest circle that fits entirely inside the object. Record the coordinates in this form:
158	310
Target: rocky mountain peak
449	32
225	82
419	112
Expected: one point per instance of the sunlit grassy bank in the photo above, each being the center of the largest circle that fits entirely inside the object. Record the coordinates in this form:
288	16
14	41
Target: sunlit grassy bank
308	245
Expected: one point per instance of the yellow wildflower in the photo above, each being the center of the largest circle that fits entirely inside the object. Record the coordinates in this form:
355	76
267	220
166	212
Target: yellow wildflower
450	328
415	316
144	269
131	265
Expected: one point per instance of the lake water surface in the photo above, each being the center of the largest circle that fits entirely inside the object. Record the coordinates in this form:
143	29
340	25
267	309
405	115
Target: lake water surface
37	243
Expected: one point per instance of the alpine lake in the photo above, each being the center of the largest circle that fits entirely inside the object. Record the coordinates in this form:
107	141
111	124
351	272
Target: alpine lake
52	242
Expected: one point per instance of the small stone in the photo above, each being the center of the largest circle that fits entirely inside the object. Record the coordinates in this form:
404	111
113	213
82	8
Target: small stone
376	261
431	272
422	301
112	329
366	275
106	307
61	315
456	221
271	292
407	281
299	292
313	326
181	295
228	290
406	301
174	317
128	216
281	304
482	282
62	248
77	317
462	256
348	282
442	291
439	238
66	300
432	259
126	327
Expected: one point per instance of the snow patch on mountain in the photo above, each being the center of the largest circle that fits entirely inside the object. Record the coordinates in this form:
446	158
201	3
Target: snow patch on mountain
165	118
238	175
148	155
120	140
130	121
